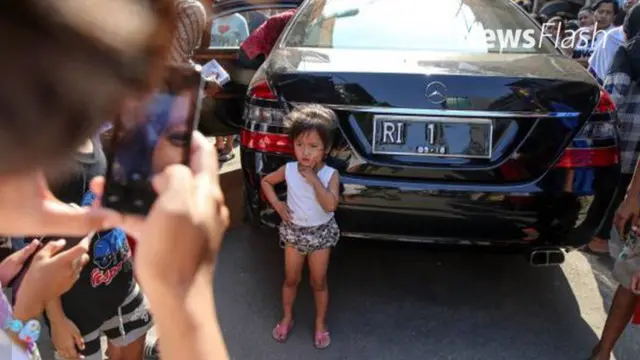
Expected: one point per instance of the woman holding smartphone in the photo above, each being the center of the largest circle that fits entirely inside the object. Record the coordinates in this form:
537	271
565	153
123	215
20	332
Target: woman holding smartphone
46	115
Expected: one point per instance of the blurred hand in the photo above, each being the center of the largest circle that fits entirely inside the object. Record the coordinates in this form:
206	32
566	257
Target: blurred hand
184	229
12	265
51	273
627	212
27	207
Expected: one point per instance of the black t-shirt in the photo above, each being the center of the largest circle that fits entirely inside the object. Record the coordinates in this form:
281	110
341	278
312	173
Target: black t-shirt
107	278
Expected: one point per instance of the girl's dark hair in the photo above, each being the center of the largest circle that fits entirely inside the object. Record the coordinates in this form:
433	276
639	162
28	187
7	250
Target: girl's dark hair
312	117
67	68
596	5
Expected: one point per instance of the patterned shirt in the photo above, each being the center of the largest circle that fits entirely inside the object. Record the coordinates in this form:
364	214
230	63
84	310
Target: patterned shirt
625	93
191	24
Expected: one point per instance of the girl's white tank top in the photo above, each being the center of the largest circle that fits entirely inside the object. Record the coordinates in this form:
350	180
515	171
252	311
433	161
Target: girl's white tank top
301	198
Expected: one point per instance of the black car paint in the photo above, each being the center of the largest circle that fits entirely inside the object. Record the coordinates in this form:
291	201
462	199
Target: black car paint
489	87
516	198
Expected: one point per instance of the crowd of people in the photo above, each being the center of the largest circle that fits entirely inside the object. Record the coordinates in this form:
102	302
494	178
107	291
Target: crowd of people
603	38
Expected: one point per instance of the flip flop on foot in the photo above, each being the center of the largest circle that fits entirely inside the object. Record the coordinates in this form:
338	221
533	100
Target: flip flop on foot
280	333
322	340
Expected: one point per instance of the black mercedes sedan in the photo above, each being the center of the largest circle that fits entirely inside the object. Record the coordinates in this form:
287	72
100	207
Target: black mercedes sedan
460	122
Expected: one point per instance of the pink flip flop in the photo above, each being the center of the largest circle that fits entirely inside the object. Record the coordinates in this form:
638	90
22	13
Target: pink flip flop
280	333
322	340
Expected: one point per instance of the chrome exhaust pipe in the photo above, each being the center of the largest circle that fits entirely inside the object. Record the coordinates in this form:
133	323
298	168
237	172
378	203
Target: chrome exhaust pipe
546	257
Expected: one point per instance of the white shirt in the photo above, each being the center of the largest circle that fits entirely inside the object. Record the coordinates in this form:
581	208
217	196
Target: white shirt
604	50
229	31
301	198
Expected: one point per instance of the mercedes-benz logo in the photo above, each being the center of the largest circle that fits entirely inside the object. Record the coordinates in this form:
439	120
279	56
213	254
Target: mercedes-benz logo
436	92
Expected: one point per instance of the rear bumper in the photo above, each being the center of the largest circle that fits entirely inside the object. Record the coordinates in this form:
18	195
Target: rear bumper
562	209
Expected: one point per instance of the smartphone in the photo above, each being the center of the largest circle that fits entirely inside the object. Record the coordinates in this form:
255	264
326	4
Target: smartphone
150	134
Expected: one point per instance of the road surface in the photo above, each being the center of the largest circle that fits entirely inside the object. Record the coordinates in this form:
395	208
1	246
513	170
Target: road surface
391	301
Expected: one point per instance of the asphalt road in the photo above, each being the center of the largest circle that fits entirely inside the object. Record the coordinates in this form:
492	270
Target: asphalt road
391	301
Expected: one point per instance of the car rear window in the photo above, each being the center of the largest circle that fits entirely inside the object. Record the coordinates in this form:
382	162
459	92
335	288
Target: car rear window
484	26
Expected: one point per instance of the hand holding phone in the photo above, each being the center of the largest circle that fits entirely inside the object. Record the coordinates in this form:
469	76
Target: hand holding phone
149	135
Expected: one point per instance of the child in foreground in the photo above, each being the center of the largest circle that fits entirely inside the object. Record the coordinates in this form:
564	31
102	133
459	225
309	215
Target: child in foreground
106	299
308	229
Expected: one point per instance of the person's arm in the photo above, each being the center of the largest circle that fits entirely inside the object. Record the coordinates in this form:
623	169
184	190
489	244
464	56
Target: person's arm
187	324
54	310
328	197
268	183
65	335
629	209
24	310
191	21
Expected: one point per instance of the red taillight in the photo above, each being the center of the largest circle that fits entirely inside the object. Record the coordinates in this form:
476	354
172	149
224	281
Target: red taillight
267	142
261	90
590	157
606	104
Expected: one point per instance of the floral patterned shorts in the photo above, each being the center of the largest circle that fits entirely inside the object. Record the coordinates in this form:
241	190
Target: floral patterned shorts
307	239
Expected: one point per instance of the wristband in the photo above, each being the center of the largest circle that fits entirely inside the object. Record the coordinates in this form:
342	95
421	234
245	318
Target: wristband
28	332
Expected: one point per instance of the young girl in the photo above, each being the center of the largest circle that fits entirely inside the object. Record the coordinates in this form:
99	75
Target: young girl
308	229
106	300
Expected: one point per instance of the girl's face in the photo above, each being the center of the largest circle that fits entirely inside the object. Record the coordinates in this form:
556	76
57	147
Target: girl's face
309	149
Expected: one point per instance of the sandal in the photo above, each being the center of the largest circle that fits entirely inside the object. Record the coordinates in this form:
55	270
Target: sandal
322	340
280	333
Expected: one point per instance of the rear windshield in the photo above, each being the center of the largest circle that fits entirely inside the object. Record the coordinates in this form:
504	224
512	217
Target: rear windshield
484	26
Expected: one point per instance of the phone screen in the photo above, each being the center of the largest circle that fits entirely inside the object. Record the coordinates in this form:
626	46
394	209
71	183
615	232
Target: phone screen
150	134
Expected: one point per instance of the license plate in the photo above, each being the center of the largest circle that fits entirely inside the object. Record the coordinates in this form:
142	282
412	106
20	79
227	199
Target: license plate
432	136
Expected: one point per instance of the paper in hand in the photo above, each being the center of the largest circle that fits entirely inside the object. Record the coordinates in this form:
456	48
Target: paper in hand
213	71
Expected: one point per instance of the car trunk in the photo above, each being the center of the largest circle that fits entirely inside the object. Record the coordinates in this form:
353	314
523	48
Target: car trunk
491	118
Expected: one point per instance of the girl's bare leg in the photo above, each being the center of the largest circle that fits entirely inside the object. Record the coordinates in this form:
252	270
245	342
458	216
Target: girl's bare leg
318	264
293	263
